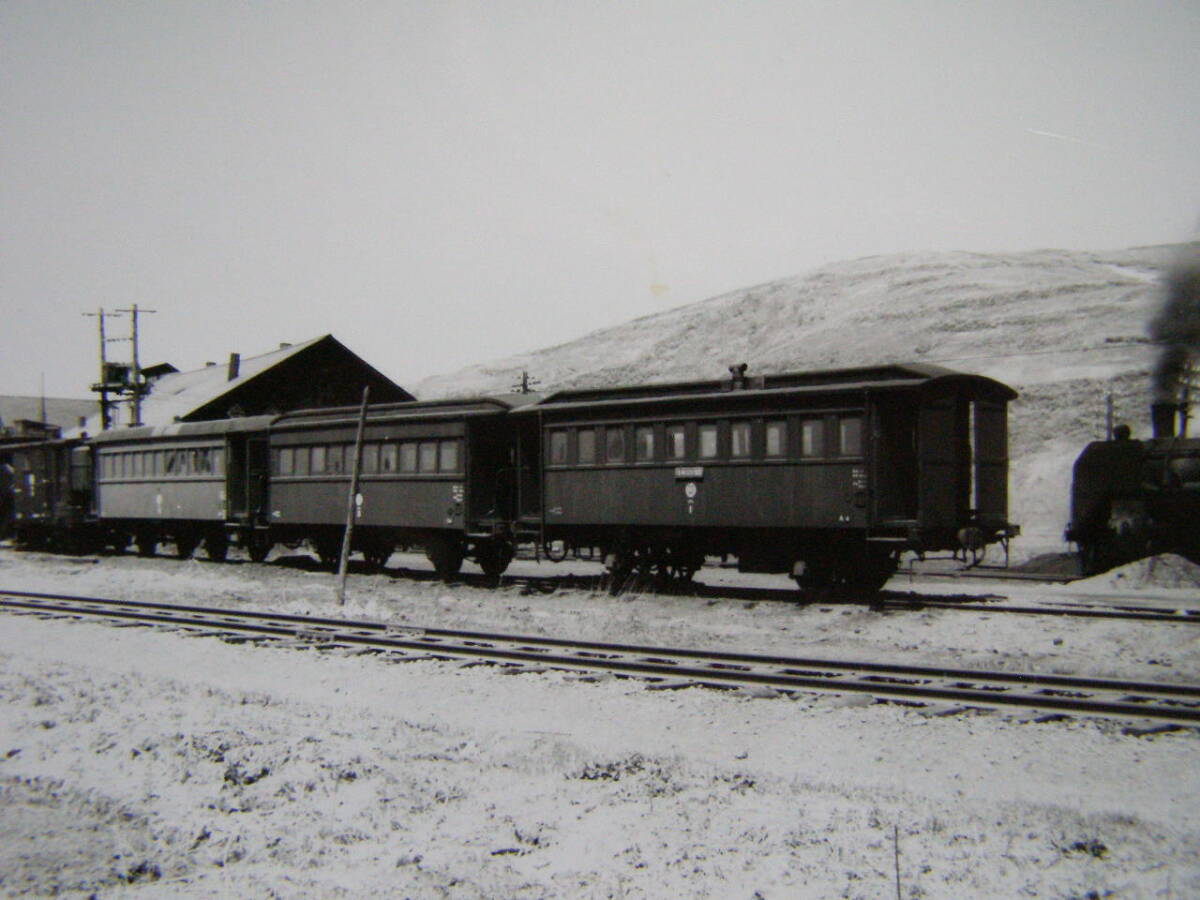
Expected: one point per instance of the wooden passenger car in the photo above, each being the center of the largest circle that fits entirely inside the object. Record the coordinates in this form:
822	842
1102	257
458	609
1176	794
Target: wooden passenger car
49	487
826	475
438	475
188	483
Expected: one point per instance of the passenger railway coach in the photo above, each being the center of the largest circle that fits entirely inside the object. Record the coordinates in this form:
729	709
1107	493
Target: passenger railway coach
828	476
188	484
438	475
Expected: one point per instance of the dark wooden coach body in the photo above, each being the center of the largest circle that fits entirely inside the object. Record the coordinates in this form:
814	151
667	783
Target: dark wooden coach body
439	475
827	475
187	483
49	489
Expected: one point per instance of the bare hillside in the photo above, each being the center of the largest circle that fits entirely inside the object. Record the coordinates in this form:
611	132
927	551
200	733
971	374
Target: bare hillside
1063	327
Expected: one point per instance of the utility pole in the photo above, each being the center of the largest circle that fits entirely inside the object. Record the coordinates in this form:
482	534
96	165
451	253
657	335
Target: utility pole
525	385
352	500
137	385
104	387
119	378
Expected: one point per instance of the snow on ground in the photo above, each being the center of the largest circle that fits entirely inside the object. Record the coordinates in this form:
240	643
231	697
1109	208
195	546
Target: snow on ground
139	763
1168	575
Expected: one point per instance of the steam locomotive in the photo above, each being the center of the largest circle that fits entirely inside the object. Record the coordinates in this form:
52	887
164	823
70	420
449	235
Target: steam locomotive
1131	498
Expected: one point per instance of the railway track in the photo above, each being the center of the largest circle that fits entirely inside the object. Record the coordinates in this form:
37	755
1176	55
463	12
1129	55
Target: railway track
1173	704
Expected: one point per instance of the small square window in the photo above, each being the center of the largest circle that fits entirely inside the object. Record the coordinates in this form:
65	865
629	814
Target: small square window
408	456
676	442
448	456
812	437
587	446
708	441
429	456
614	441
370	459
776	434
335	456
558	448
387	458
739	440
850	436
645	443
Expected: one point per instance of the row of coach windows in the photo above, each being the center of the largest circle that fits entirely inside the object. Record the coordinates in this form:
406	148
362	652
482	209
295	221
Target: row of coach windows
179	463
816	438
405	457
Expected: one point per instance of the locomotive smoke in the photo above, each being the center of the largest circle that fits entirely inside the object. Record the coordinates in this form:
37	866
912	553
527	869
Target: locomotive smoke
1177	328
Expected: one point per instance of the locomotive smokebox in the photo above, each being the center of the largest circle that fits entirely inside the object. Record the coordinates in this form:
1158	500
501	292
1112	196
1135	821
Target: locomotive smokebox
1163	417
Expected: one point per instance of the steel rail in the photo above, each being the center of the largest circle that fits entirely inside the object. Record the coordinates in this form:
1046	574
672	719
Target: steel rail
1175	703
1136	613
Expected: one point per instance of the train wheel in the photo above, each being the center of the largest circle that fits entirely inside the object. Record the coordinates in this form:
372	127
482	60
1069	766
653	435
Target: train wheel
185	544
494	558
446	555
258	548
329	550
619	567
146	543
216	545
377	553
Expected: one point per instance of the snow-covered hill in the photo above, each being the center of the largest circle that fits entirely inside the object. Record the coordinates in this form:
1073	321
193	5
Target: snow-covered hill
1063	327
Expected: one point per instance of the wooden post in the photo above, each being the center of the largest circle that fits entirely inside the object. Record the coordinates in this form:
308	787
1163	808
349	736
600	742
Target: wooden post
350	501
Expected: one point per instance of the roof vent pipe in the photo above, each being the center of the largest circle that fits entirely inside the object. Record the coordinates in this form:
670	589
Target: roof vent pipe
737	375
235	364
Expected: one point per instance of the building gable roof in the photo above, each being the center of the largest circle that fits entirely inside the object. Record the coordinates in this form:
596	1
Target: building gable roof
209	392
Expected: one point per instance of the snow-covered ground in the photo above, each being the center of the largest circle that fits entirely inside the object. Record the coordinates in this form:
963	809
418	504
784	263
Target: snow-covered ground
139	763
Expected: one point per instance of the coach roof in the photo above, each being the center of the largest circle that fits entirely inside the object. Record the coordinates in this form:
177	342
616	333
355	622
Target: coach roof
908	376
424	410
185	429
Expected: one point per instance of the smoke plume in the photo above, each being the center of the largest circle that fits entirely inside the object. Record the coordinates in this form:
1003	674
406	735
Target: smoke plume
1177	327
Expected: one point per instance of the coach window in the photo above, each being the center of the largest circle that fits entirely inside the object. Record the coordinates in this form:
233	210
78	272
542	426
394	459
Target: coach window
812	437
850	436
370	459
408	456
587	446
644	443
558	447
676	441
429	456
739	440
287	460
776	438
335	458
448	456
614	444
317	465
708	441
387	458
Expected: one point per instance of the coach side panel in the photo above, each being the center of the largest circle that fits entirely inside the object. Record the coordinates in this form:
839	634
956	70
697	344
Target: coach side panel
157	482
793	471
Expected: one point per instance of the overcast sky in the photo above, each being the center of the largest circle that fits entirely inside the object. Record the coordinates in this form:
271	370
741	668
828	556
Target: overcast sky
441	183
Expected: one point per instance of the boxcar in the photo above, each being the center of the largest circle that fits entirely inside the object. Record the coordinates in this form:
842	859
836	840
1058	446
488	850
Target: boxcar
189	483
439	475
828	476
